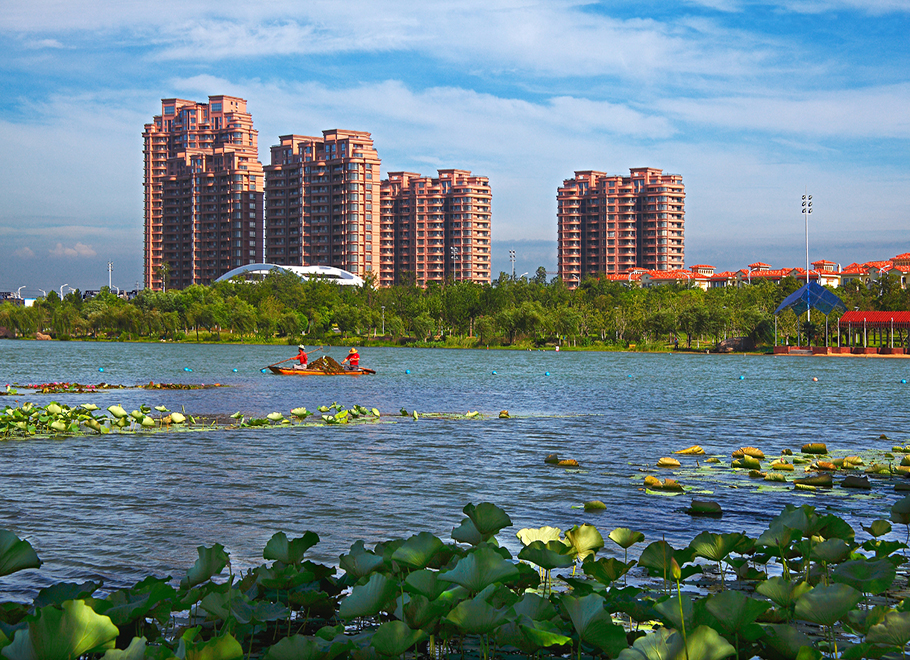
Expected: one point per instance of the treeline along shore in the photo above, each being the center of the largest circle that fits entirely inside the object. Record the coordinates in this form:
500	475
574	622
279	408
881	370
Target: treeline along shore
522	313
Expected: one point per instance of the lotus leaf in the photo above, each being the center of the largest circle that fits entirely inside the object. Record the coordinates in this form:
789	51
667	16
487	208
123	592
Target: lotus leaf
295	647
488	519
625	538
786	640
53	408
210	563
540	634
856	482
584	540
669	611
476	616
135	651
421	612
830	551
360	562
225	647
66	632
466	532
878	528
547	555
606	570
479	569
893	631
534	607
658	556
283	576
137	415
747	462
150	598
394	638
595	505
814	448
593	624
230	604
58	425
90	406
178	418
418	551
426	584
861	620
900	511
735	611
782	592
667	462
827	605
704	508
694	450
16	554
147	422
368	599
703	643
715	547
281	549
545	534
275	416
818	480
870	577
62	591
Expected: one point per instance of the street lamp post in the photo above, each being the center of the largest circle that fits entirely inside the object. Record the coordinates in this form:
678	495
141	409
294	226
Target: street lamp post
61	290
512	259
19	291
807	211
454	251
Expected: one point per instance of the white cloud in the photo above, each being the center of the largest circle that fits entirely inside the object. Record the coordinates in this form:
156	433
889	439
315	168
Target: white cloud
24	252
77	250
875	111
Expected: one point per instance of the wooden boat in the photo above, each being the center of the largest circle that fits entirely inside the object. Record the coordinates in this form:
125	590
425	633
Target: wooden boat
281	371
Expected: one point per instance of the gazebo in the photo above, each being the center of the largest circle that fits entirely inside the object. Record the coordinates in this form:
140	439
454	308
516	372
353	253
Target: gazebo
810	296
874	323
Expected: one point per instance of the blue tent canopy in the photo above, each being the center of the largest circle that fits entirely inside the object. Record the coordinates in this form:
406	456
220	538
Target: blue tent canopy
814	296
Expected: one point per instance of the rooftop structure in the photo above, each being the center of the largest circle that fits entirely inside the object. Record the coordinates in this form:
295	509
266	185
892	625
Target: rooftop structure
259	271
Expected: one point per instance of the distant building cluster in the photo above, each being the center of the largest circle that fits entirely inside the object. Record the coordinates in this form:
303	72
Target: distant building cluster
210	206
826	273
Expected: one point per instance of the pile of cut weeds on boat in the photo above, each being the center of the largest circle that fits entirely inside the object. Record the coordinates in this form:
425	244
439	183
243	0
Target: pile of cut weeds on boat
805	588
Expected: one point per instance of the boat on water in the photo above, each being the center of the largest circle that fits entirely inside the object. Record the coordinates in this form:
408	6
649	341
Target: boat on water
282	371
324	366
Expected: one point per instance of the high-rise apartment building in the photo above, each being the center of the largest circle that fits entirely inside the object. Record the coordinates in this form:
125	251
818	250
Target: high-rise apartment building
612	223
203	192
322	202
435	229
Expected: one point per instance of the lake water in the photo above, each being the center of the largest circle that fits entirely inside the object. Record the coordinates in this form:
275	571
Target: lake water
120	507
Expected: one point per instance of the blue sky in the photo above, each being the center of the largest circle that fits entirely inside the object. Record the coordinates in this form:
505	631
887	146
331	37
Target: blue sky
752	102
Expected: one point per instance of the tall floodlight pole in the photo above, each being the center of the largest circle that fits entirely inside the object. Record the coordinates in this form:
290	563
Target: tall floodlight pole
807	211
512	259
383	320
110	271
454	251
